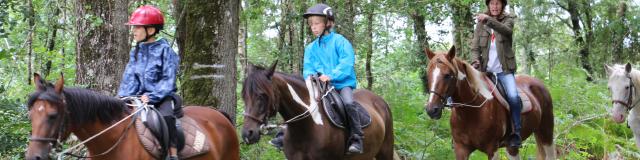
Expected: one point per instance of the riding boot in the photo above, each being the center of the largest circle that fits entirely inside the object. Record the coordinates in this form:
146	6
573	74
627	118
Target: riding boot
516	139
278	140
171	125
355	146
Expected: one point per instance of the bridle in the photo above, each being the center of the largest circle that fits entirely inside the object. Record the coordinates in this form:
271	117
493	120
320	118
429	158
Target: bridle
629	102
56	139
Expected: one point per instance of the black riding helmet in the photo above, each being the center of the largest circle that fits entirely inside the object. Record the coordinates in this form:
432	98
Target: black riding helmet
504	3
319	9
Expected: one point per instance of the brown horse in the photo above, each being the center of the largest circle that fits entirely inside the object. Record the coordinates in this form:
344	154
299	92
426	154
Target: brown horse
56	112
485	125
265	93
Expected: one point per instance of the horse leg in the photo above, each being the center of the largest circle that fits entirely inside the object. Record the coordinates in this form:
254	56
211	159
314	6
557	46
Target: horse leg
513	153
495	155
462	151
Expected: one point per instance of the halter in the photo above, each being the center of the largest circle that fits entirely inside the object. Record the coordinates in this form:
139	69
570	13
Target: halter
629	102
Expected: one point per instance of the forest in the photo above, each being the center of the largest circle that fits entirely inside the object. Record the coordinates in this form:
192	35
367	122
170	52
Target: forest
564	43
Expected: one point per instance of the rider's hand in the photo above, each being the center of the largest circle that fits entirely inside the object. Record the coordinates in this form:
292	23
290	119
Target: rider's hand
144	99
325	78
481	17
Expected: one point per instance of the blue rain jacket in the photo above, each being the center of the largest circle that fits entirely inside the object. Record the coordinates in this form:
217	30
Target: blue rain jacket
153	73
333	56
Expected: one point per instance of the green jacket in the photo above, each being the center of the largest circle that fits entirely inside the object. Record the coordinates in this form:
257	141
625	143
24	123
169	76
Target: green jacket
503	30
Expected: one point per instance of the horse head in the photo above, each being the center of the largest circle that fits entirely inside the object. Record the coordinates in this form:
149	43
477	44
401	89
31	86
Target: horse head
260	101
621	85
47	113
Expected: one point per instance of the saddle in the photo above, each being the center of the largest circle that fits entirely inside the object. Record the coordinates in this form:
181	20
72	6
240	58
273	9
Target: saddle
154	134
335	108
524	97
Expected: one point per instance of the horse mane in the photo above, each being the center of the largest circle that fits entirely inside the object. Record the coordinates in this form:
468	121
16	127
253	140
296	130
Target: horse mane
474	77
257	79
83	105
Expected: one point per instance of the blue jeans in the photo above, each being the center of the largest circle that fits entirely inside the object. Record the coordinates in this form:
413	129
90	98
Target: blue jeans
508	82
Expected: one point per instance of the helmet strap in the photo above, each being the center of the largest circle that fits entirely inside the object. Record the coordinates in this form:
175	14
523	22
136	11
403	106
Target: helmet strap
147	36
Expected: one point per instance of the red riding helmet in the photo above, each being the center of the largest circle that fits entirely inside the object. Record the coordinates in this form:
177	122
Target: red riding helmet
146	15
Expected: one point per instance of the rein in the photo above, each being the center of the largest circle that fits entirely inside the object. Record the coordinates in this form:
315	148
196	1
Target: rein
451	104
140	107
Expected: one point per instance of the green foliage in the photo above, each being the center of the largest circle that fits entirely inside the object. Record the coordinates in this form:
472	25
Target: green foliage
15	129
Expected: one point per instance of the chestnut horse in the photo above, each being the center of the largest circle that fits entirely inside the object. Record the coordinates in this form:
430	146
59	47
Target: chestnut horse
480	121
265	93
56	112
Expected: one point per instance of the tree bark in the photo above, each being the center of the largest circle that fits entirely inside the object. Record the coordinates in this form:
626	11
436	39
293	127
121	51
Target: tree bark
31	22
369	32
242	44
207	37
102	48
463	28
620	32
574	12
421	33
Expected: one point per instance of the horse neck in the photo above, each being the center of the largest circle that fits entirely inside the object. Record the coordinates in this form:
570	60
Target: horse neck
287	107
464	93
107	139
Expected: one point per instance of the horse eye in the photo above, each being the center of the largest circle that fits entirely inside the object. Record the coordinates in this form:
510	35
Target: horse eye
53	116
448	76
627	87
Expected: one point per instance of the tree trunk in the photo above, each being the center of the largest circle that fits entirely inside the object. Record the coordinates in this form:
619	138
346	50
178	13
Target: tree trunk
573	9
301	37
463	28
369	32
242	44
102	48
346	22
283	54
207	37
29	47
421	34
620	32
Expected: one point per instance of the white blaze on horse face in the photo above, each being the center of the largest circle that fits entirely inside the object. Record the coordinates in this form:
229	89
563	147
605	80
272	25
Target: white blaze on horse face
434	81
41	108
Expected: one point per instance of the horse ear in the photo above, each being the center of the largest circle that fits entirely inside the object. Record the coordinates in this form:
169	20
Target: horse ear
40	84
428	52
60	84
272	69
608	69
452	53
627	68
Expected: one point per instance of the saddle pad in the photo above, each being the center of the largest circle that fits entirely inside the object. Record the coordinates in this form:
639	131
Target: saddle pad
526	101
195	140
338	119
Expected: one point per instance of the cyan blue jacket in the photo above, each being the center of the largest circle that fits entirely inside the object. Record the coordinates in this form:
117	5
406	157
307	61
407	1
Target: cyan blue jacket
333	56
152	73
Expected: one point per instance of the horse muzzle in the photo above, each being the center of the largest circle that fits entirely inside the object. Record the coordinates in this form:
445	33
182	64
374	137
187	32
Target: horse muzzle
250	136
37	155
434	111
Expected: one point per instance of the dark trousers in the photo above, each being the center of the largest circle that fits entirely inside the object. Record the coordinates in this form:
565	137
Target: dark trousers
171	109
